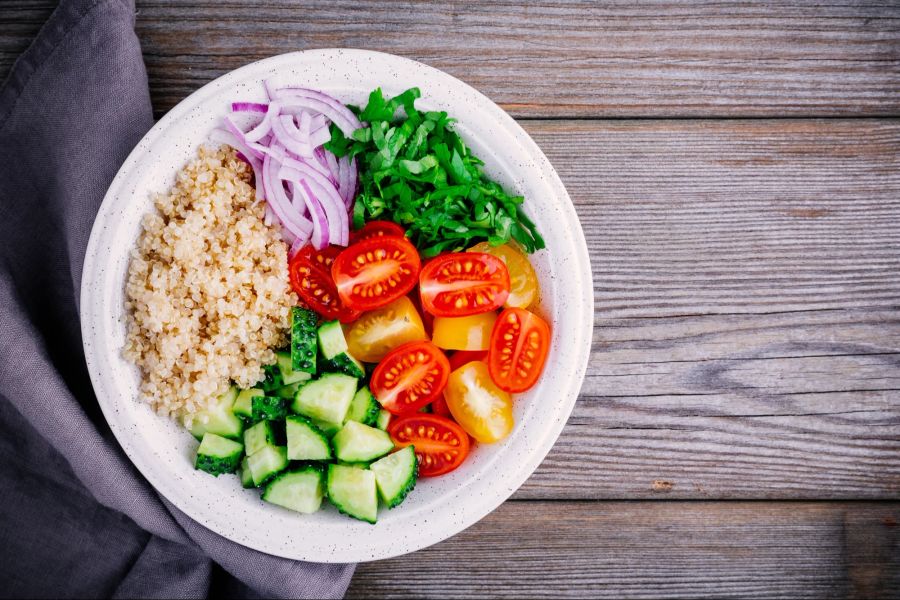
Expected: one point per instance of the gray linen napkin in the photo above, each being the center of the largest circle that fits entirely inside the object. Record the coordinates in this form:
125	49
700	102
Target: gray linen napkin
76	518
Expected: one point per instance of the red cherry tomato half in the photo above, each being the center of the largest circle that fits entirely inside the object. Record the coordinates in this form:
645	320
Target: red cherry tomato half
374	229
375	272
519	345
310	274
463	283
441	445
410	377
461	357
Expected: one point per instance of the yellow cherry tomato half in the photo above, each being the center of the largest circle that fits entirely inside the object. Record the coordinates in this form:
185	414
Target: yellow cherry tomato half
463	333
482	409
379	331
523	283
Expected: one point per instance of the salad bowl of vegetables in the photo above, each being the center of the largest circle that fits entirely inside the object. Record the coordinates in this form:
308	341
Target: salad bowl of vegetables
442	322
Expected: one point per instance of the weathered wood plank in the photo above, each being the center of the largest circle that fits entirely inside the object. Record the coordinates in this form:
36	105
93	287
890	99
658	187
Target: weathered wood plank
655	550
747	337
549	58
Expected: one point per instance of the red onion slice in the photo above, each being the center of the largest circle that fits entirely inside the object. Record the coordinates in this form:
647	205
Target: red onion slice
256	107
265	126
320	235
326	194
296	99
290	137
276	197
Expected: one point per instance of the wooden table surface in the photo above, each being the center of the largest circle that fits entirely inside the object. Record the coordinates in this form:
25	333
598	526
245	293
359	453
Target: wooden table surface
736	169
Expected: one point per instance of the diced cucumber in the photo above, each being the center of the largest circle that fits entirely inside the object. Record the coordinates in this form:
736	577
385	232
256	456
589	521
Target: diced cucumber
243	406
219	418
360	443
258	437
289	391
331	339
303	340
217	455
352	491
333	346
269	407
288	374
364	407
246	476
395	475
305	441
266	462
344	363
327	398
383	420
272	378
299	490
328	428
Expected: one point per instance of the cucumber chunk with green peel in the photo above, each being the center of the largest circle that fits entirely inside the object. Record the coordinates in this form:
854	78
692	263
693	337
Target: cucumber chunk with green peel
329	429
327	398
383	420
300	490
344	363
395	475
269	407
335	352
364	408
331	339
303	340
258	437
265	463
356	442
246	476
305	441
219	418
243	405
288	374
272	379
217	455
288	391
353	492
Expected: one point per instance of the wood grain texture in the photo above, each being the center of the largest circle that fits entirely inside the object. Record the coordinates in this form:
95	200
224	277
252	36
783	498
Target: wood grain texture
655	550
747	333
548	58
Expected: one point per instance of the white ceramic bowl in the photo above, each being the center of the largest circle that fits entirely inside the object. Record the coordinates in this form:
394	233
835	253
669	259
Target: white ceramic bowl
438	508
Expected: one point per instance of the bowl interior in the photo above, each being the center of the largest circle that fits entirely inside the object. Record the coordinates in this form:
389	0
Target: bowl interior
439	507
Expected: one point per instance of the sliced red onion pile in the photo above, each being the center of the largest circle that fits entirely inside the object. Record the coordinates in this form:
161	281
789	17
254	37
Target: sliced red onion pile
308	189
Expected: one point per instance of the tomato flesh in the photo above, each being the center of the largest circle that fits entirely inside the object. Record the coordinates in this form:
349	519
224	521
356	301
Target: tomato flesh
481	408
375	272
410	377
441	445
379	331
519	345
464	333
523	282
439	406
374	229
463	283
310	275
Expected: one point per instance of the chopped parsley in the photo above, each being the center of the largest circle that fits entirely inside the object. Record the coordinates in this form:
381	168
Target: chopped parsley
415	170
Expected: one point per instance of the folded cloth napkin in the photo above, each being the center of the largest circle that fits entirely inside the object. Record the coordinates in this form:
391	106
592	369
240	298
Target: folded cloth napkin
76	518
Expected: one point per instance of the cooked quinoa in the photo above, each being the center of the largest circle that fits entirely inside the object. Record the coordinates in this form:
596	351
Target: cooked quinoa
207	293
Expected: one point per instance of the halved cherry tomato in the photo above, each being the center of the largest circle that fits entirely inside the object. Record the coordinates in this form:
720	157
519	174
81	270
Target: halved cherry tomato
462	357
464	333
410	377
481	408
376	271
463	283
379	331
523	283
439	406
441	445
376	229
310	274
519	345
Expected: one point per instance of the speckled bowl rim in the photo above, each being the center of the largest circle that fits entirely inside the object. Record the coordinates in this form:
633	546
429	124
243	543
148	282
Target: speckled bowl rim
451	503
